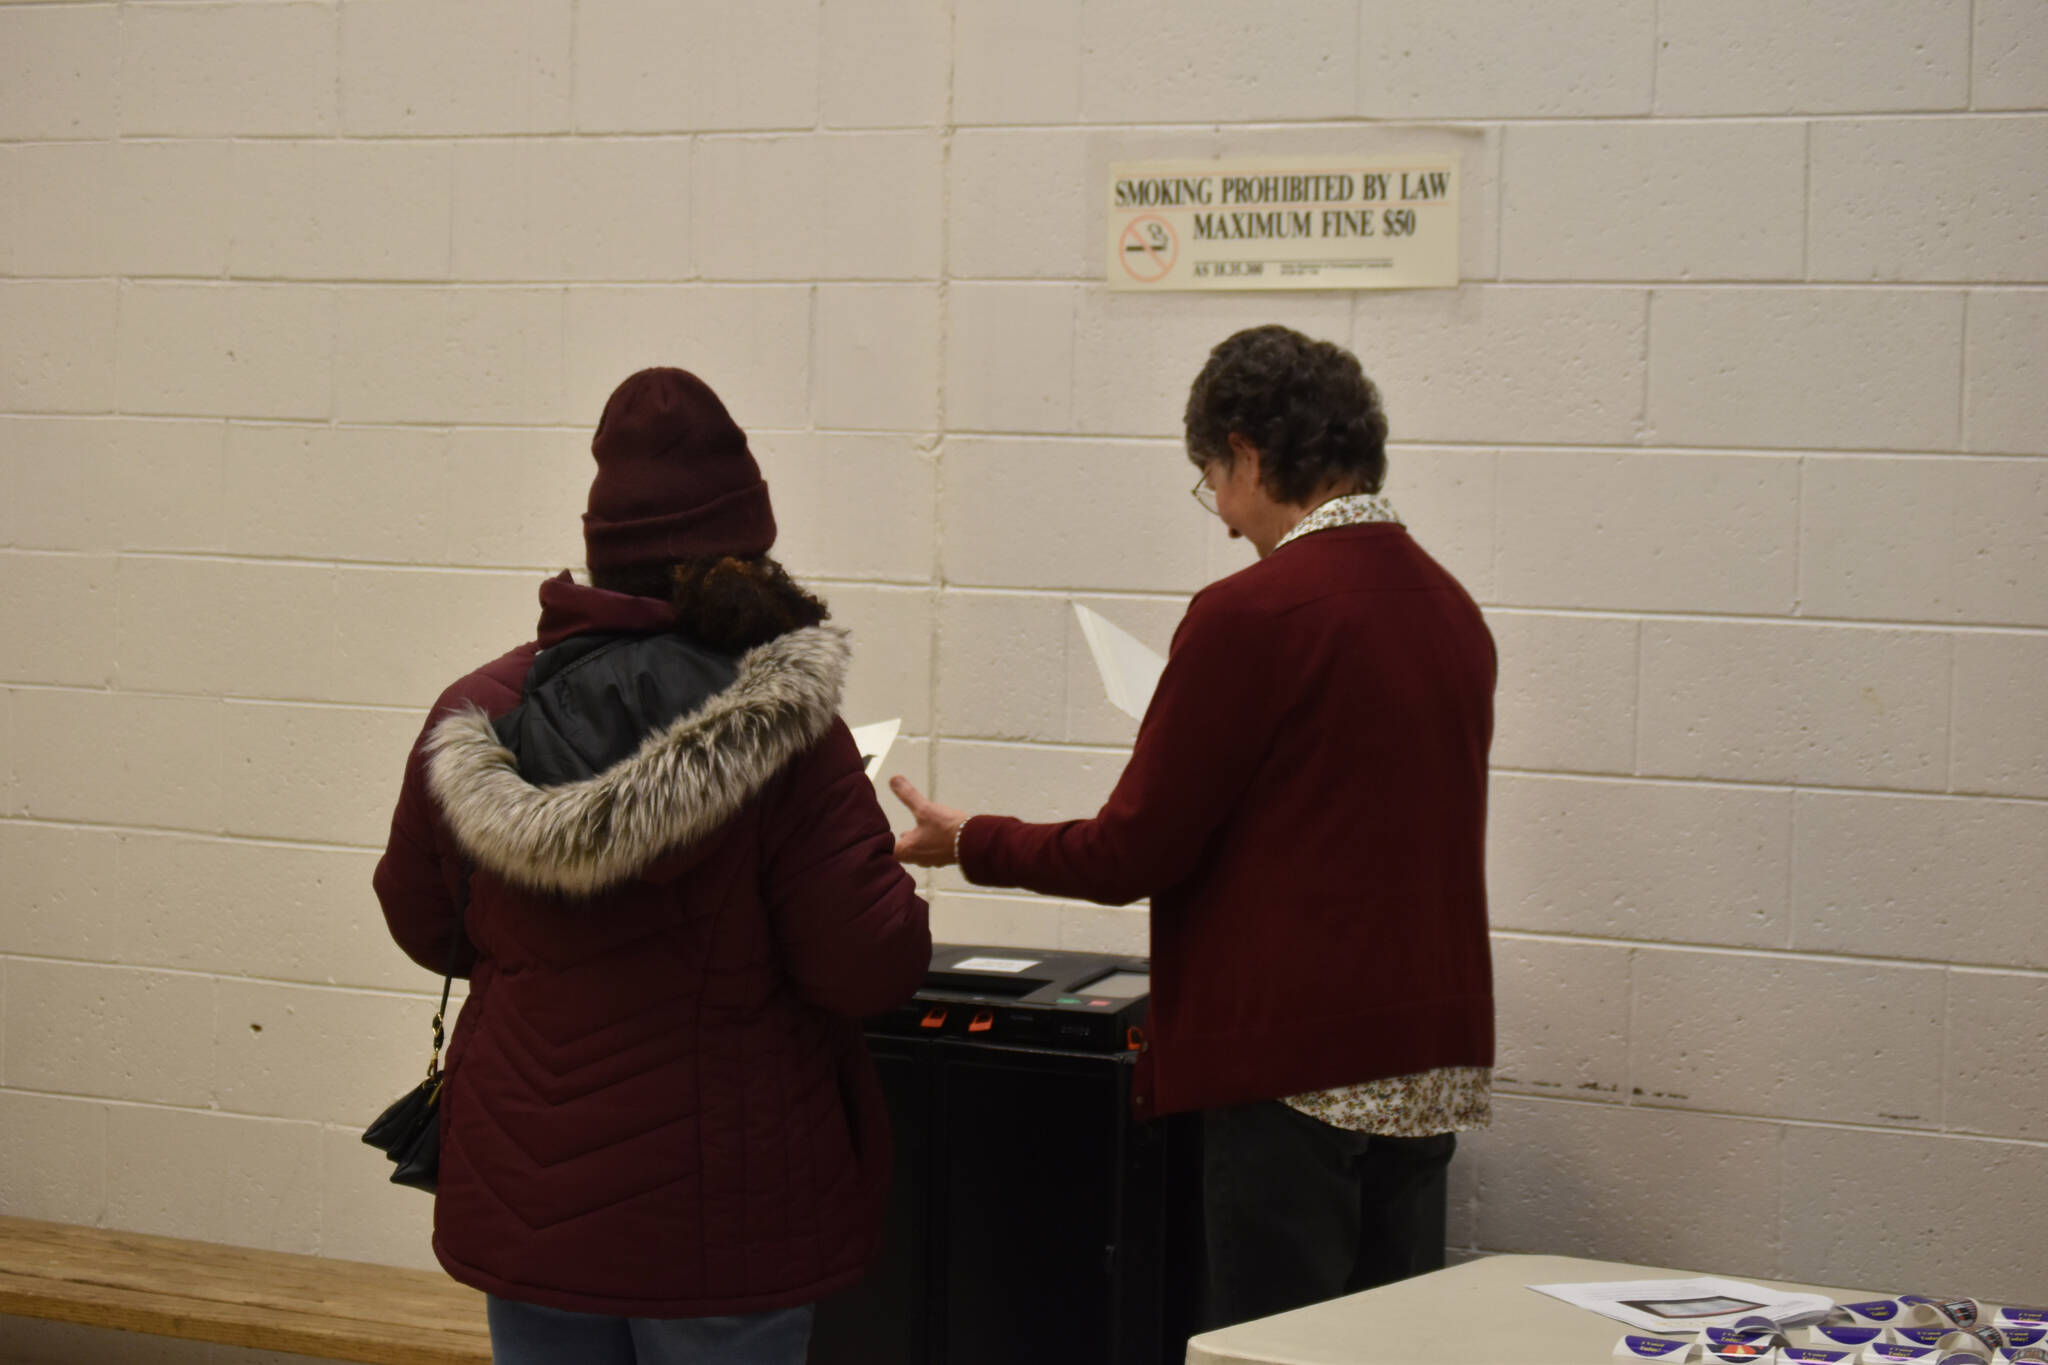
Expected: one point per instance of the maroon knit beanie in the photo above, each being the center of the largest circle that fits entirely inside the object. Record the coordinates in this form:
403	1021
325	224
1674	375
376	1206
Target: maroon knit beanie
674	477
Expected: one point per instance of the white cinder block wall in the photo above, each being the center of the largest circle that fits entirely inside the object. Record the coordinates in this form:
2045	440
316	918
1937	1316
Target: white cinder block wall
1736	427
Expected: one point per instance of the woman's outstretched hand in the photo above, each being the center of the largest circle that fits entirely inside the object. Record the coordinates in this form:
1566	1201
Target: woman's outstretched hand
930	842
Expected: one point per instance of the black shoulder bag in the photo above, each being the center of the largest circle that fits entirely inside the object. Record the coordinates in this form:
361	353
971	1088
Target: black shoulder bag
409	1131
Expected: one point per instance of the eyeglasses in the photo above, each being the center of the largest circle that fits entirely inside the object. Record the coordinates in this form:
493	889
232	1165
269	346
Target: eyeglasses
1205	495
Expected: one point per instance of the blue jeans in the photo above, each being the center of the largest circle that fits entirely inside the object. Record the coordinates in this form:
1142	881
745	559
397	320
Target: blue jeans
528	1334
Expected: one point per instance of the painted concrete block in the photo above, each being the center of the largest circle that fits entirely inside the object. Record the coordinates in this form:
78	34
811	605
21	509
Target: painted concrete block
58	208
2005	53
817	479
1494	363
363	1216
876	357
892	653
56	1157
105	484
1711	1031
61	899
1007	921
1566	699
1820	369
1006	665
61	75
1651	532
305	1052
325	492
1098	929
1023	205
1553	1176
1658	861
229	350
883	204
1836	705
467	355
57	345
1016	64
699	65
2003	408
171	195
573	209
1968	550
299	913
413	67
186	624
324	774
1997	1037
517	498
64	604
1985	194
751	200
1447	497
1811	56
1031	782
214	1177
1867	1208
115	758
1153	61
1111	515
883	63
750	343
1937	878
109	1032
1136	354
2001	728
1010	357
1497	59
1562	1017
1651	201
232	70
402	635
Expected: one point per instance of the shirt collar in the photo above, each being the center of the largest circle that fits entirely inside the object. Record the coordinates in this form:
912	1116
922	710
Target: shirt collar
1354	509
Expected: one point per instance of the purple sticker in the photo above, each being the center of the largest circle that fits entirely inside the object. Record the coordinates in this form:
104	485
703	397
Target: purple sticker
1877	1310
1893	1350
1819	1354
1850	1336
1655	1348
2027	1336
1924	1336
2026	1317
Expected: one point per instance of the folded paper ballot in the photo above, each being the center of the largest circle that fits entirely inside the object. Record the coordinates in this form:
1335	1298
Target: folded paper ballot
1130	671
1671	1307
874	741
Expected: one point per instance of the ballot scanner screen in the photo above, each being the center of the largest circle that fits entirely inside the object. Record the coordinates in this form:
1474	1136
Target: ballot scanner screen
1119	985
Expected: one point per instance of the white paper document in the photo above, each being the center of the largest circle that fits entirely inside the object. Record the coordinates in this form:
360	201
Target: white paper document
873	741
1130	671
1670	1306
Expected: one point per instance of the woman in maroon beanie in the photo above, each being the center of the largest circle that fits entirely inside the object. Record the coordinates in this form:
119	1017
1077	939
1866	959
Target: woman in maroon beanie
648	841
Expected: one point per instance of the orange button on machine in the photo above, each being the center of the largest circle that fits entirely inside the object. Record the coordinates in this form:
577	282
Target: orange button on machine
935	1017
982	1022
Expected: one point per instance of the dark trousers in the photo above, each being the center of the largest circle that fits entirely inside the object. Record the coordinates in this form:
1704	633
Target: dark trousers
528	1334
1296	1211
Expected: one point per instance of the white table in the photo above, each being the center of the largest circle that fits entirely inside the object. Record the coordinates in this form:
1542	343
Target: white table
1479	1313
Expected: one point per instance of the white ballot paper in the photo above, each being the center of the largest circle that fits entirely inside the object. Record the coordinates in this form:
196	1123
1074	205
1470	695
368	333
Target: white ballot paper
1674	1306
873	741
1129	670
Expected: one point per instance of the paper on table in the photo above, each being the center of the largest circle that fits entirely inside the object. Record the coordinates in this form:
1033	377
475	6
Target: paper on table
873	741
1688	1305
1129	670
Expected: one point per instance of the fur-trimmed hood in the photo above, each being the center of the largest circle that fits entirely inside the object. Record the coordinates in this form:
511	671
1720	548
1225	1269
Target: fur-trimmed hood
684	781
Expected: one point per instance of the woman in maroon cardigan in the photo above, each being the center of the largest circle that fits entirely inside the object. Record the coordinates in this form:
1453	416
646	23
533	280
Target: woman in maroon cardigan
662	1138
1306	807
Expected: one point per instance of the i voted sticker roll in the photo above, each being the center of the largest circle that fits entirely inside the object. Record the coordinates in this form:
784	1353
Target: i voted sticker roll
1853	1338
2016	1337
2012	1316
1924	1310
1869	1313
1635	1347
1982	1342
1888	1352
1816	1355
1751	1331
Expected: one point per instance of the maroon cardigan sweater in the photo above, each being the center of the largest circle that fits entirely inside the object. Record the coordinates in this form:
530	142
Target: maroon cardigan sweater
659	1102
1306	807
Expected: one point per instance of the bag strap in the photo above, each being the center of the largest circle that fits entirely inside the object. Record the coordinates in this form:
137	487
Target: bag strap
448	976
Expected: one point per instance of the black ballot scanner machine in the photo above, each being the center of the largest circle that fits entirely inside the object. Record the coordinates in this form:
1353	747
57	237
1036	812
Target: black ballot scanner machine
1031	1218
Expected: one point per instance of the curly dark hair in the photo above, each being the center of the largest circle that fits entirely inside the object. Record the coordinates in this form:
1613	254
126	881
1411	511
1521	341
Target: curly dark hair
1305	404
729	602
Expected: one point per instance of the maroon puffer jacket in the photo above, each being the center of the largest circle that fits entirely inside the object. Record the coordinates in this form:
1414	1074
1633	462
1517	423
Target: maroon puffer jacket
659	1103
